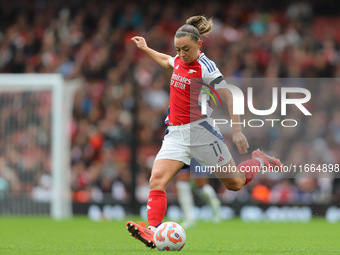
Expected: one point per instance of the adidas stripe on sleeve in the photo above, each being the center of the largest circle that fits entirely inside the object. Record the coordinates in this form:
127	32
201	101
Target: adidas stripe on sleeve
210	72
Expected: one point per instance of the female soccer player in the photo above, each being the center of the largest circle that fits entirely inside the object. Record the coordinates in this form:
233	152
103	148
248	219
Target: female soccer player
190	134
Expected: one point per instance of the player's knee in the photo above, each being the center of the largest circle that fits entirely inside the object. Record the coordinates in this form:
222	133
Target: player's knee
156	181
234	184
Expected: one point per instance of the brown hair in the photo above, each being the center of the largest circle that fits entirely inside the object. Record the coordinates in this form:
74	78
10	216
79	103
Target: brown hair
196	27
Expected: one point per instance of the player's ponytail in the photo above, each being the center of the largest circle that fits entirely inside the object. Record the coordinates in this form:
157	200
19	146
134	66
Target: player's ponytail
196	27
203	25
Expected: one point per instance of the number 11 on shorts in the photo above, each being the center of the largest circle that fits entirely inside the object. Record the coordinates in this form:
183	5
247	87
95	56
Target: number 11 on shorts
218	146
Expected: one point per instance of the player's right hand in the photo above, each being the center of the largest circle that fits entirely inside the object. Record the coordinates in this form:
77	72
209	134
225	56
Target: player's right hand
241	142
140	42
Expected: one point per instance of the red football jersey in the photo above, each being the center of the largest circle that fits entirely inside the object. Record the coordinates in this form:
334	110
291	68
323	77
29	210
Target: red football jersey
185	89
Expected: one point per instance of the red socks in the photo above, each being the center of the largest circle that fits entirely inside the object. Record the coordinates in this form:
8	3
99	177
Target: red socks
250	167
156	207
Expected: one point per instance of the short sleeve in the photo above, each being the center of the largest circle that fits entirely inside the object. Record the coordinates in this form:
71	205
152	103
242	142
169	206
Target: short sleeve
172	61
210	72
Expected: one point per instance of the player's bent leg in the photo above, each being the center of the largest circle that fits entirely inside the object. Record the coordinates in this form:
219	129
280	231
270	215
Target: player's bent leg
247	170
234	179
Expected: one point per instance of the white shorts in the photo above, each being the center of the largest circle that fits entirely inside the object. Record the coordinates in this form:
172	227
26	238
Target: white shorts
199	140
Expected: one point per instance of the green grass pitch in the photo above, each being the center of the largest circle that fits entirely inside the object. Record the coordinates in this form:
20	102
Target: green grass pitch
82	236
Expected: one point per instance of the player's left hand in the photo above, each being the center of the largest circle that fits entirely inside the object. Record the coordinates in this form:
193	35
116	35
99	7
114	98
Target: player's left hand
241	142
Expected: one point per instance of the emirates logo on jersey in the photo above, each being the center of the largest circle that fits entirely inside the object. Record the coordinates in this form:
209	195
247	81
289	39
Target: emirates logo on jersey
177	77
179	81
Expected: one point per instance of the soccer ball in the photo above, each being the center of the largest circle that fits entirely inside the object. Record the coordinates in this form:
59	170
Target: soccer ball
169	236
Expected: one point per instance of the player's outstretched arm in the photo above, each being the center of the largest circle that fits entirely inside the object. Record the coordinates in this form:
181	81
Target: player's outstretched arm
160	58
238	138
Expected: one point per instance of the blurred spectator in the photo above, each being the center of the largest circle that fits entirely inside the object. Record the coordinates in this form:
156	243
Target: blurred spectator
261	193
284	192
42	192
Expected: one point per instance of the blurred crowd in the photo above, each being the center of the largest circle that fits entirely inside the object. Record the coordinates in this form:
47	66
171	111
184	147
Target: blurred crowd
91	39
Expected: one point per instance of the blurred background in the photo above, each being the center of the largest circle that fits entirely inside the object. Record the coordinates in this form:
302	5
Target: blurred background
118	117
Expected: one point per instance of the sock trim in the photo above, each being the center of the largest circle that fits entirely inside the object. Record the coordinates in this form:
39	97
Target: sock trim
261	161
